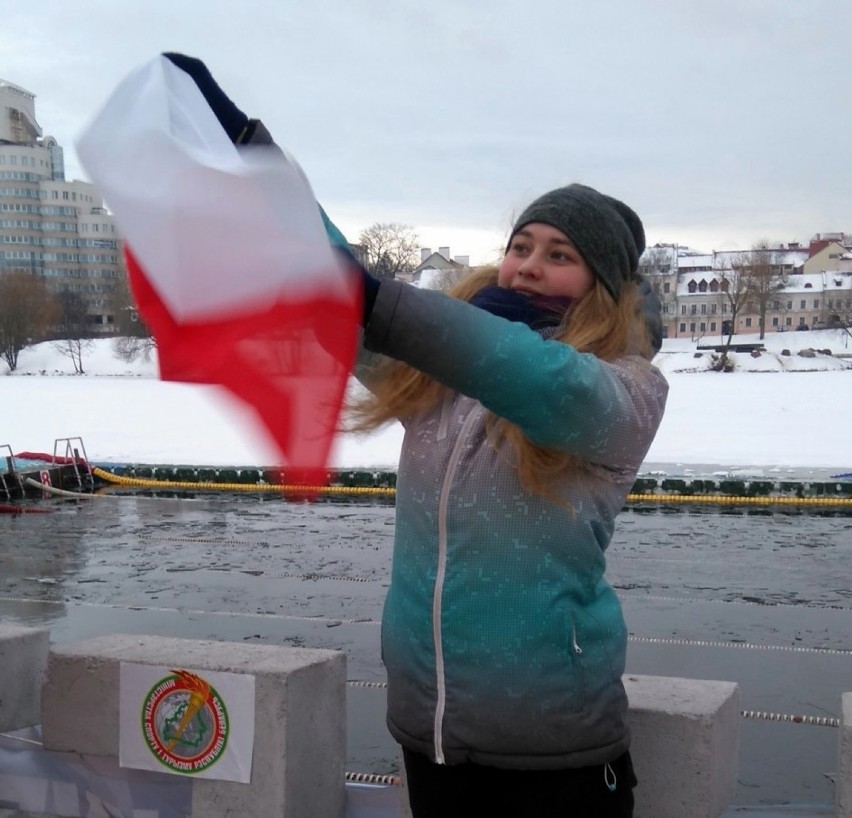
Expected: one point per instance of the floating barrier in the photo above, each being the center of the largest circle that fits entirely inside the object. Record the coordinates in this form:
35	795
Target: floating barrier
362	483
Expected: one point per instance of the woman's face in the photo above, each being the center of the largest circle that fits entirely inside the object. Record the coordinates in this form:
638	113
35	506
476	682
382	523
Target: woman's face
542	260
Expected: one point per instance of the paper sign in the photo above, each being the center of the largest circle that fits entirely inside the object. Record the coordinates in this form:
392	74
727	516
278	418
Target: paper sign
197	723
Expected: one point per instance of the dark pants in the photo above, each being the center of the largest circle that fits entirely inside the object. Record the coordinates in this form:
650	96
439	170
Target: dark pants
470	790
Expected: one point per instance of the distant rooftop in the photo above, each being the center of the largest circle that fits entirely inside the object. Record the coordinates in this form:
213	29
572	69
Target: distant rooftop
10	86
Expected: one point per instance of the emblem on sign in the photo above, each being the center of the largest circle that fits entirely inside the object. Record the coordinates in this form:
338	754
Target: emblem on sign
185	723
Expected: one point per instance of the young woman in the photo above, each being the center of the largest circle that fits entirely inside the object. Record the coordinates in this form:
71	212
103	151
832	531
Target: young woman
528	412
529	402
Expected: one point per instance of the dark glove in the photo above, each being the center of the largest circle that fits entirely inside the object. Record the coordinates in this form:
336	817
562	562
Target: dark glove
652	311
234	122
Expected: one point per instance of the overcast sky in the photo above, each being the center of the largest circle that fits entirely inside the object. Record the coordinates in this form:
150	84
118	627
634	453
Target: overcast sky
722	122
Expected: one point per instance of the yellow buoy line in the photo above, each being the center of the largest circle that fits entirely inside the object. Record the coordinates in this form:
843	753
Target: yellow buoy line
389	491
147	482
730	499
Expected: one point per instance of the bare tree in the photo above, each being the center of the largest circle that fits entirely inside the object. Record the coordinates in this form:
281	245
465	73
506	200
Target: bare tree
839	314
655	261
128	322
733	296
762	279
27	311
134	338
74	328
389	249
130	347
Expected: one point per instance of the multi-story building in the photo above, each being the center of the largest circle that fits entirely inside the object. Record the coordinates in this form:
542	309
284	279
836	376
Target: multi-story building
814	288
50	227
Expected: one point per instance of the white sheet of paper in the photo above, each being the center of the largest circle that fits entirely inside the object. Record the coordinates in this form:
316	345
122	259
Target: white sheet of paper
216	228
153	734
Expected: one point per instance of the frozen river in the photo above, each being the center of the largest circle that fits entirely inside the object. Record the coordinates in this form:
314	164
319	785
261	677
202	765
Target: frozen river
760	597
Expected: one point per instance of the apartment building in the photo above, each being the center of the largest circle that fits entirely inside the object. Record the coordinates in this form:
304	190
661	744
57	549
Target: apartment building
814	288
51	227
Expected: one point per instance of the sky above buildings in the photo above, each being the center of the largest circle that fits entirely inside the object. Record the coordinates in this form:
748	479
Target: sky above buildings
722	122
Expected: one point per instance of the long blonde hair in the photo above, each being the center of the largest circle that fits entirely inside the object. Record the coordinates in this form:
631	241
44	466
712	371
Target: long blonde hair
596	324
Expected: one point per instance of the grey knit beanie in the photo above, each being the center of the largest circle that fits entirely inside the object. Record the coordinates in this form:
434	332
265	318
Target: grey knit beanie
608	234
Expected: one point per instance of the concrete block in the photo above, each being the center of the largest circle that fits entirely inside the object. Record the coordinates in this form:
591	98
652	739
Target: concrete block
843	785
685	745
300	717
23	659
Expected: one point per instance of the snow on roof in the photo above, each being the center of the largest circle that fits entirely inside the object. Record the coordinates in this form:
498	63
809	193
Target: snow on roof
698	277
786	256
429	278
800	283
838	281
691	262
805	281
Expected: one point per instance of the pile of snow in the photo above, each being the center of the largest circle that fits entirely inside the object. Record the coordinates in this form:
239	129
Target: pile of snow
812	351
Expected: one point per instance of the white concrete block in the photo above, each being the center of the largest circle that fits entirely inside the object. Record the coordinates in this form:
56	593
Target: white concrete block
300	717
843	785
23	659
685	745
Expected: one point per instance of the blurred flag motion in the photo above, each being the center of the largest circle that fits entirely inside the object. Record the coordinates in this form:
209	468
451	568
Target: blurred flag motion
228	261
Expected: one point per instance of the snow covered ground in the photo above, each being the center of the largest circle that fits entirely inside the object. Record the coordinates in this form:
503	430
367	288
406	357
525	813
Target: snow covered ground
776	413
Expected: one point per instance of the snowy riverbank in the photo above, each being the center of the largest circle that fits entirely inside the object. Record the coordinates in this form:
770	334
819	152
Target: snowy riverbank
776	413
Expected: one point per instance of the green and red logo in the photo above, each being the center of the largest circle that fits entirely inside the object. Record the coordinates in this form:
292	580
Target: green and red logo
185	723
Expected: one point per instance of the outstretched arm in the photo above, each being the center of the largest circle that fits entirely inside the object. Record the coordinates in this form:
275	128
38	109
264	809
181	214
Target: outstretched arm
606	412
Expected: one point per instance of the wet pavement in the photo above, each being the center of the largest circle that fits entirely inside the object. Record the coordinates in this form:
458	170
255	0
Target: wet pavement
758	596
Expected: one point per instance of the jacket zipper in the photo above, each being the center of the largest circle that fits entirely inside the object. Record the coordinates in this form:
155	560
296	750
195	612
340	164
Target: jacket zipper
575	645
441	702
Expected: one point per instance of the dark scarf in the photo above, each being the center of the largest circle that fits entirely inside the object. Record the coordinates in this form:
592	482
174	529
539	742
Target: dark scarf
536	311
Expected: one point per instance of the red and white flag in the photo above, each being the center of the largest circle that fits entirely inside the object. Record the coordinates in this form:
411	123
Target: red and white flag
228	261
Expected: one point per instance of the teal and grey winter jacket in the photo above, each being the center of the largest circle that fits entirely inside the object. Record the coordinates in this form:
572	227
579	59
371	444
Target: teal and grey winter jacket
503	643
